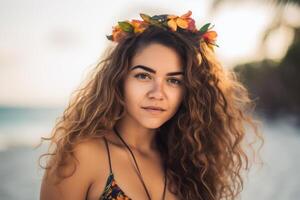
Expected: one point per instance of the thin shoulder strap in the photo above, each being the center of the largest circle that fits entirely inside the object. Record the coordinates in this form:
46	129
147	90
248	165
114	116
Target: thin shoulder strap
106	144
139	173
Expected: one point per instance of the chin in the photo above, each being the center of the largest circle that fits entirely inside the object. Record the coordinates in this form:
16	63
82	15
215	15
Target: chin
152	125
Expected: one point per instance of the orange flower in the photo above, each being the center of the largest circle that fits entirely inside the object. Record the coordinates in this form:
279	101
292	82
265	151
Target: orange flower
172	22
184	22
138	25
117	33
210	36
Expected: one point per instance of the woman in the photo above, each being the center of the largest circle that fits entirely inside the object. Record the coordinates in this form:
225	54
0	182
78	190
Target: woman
158	119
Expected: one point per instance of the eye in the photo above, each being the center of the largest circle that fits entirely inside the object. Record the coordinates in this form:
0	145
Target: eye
142	76
175	81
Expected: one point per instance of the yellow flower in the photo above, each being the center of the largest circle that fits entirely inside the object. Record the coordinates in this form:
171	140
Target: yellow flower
172	24
184	22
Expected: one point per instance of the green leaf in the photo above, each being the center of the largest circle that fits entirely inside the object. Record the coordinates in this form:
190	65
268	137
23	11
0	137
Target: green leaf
153	20
145	17
204	28
109	37
126	27
156	23
165	23
161	18
214	44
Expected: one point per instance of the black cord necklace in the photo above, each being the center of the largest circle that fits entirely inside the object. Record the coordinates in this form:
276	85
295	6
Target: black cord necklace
139	173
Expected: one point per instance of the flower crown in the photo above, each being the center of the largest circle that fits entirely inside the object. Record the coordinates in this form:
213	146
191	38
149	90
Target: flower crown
167	22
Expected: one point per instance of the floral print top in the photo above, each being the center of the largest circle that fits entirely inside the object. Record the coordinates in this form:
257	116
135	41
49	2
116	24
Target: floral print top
112	191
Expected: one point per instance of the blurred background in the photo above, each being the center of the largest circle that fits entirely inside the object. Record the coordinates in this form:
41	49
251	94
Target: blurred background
47	48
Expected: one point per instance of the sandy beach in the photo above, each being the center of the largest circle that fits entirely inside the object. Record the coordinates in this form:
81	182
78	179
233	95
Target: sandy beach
20	175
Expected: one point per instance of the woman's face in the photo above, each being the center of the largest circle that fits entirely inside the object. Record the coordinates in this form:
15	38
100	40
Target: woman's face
155	78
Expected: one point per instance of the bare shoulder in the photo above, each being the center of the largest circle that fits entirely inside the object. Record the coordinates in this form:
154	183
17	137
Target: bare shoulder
90	151
90	165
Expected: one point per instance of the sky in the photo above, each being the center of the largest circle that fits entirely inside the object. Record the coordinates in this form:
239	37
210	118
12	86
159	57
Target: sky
47	47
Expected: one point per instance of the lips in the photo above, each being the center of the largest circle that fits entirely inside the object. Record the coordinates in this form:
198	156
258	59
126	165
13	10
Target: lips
154	108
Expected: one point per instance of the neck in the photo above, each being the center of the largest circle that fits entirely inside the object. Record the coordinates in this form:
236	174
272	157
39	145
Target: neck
136	137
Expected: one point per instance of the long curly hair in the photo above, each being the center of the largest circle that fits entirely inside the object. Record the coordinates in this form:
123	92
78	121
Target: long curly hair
202	144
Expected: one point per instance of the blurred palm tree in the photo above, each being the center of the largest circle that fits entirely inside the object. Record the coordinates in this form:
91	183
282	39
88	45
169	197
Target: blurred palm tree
275	85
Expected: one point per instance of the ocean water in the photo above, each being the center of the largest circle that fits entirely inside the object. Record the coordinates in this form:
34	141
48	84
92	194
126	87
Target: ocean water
20	175
20	131
25	126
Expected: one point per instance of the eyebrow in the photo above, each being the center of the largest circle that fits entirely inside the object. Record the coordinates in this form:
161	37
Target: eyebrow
153	71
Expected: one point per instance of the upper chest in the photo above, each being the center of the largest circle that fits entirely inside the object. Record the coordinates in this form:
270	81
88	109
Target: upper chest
126	175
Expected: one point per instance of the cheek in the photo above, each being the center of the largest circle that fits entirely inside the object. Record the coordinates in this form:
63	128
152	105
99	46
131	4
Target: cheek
132	91
175	98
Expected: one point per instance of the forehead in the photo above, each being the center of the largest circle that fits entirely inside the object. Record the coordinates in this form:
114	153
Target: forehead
159	57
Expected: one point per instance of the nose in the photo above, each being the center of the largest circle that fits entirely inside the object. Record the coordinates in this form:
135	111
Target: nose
156	91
